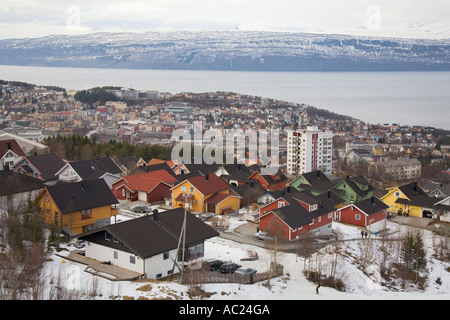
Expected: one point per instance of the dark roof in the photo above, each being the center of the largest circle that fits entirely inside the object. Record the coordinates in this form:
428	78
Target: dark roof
295	215
371	206
331	196
315	176
412	189
47	164
252	189
419	200
13	182
240	167
202	168
147	237
86	194
94	169
354	183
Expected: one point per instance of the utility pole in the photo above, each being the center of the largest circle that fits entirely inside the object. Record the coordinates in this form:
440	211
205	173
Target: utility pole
182	239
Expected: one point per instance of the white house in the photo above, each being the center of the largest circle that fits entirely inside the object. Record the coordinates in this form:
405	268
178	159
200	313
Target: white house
10	153
103	168
443	207
148	245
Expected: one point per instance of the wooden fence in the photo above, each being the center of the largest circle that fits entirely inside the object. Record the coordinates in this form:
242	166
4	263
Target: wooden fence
206	276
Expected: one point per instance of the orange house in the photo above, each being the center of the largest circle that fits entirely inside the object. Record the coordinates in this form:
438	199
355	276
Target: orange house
78	207
209	194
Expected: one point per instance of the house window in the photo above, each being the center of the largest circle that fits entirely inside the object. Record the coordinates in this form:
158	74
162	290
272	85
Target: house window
397	194
319	219
280	204
183	189
191	190
116	254
47	198
115	240
107	236
132	259
357	217
123	192
165	255
159	275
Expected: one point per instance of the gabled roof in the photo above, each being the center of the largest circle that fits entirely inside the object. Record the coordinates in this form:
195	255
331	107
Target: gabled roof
231	168
208	183
354	183
370	206
419	200
13	182
202	168
46	164
295	215
6	145
86	194
147	236
409	190
315	176
146	181
94	169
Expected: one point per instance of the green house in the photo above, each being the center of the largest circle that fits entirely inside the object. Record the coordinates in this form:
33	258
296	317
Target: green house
316	182
354	189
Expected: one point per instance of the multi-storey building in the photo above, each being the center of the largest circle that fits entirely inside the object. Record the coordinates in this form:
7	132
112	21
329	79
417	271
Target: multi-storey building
309	150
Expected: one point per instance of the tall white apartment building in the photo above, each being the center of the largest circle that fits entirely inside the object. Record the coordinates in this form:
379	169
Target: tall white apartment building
309	150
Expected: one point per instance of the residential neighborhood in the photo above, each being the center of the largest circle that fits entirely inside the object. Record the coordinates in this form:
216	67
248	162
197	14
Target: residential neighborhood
154	218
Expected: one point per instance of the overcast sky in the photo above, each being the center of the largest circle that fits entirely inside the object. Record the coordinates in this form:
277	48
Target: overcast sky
33	18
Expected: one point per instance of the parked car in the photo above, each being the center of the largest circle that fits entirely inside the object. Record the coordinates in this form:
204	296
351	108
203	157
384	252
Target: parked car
229	267
261	235
79	244
212	264
245	271
140	209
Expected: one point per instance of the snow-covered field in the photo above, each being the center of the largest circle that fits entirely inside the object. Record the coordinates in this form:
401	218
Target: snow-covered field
291	286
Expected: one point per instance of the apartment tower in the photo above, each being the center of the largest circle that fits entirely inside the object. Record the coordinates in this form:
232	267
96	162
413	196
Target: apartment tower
309	150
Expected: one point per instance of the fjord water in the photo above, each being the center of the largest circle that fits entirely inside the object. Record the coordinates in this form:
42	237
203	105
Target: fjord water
407	98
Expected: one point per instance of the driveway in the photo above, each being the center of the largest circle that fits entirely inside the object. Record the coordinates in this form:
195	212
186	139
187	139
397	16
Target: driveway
98	268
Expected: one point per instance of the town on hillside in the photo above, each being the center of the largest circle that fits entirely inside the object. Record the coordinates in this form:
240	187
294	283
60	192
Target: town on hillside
151	215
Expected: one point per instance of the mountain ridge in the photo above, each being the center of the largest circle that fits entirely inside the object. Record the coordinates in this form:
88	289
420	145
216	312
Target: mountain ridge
228	50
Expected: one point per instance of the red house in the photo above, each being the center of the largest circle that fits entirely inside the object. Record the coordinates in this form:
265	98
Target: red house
150	186
369	213
269	181
296	214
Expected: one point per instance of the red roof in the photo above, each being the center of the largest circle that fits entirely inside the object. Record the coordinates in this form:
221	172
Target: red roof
217	198
208	184
5	144
146	181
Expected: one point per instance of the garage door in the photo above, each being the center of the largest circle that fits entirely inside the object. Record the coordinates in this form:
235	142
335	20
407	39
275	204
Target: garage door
142	196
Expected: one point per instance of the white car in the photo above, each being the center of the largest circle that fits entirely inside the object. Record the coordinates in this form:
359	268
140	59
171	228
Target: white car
261	235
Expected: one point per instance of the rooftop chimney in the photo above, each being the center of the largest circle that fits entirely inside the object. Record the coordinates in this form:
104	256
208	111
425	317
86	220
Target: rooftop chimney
207	177
9	145
329	194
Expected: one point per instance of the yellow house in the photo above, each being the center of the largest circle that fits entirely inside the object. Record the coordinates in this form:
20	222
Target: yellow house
206	193
78	207
410	200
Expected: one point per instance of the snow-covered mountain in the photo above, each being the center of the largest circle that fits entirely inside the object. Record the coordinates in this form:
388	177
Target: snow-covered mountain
229	50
